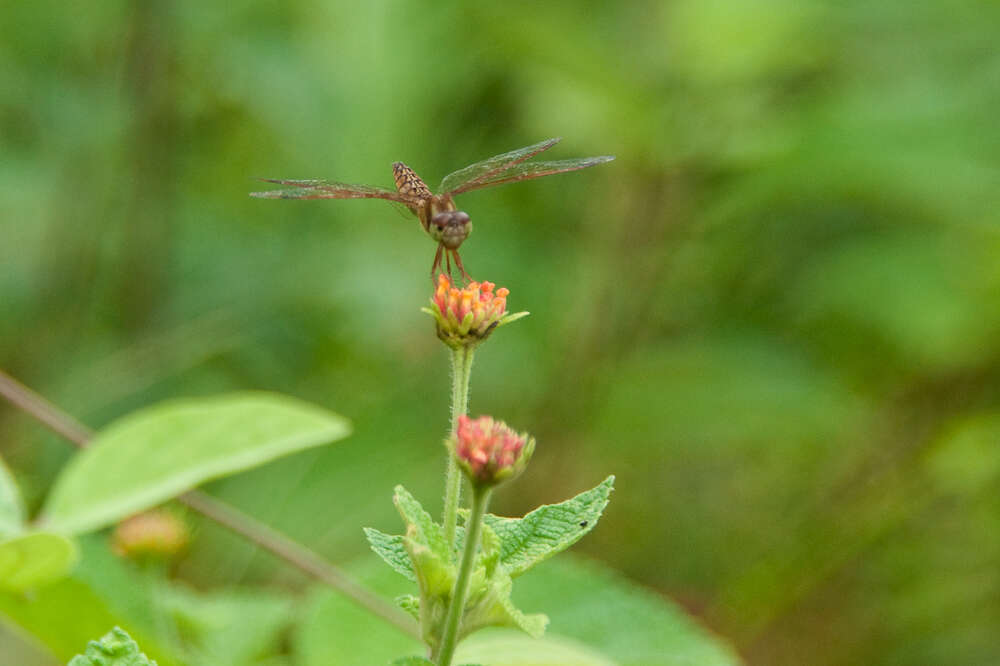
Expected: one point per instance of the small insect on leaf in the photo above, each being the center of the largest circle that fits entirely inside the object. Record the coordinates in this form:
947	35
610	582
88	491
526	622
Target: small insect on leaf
583	523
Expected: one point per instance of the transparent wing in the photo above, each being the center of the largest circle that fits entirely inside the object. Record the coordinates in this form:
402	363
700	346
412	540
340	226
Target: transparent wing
472	176
326	189
529	170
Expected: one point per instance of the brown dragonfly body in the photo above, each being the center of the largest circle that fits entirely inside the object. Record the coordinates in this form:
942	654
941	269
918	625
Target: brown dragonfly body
438	215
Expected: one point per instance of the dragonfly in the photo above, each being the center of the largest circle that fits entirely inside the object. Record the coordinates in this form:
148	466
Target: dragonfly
438	215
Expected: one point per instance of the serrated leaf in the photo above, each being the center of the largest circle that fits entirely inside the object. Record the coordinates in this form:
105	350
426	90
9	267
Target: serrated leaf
34	559
549	529
392	551
11	505
116	648
424	530
159	452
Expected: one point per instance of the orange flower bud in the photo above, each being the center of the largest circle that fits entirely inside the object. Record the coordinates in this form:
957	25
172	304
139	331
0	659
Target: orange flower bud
466	316
155	533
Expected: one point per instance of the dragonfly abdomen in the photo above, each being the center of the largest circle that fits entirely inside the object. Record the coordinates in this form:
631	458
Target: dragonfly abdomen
408	182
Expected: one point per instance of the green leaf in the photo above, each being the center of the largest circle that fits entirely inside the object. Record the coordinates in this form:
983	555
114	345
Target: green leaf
335	630
549	529
34	559
503	647
533	624
101	592
635	626
592	608
392	551
162	451
410	604
11	505
231	627
116	648
418	661
965	459
425	531
435	578
62	616
489	605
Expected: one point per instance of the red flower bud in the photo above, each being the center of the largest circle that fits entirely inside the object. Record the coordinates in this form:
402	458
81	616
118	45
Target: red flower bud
489	451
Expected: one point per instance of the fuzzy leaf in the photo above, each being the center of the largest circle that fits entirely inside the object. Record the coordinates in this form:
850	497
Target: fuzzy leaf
116	648
11	506
34	559
533	624
435	575
420	526
549	529
489	605
161	451
391	549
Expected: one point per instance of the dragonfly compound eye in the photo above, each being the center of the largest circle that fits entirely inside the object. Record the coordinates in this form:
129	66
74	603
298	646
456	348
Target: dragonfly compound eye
451	228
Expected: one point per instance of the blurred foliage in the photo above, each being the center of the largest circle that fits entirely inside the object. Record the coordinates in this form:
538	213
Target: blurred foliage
773	317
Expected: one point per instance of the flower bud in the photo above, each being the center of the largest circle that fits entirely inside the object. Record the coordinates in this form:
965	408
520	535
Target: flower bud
465	317
154	534
489	451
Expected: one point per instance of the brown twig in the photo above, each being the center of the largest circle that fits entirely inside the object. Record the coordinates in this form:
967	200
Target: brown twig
253	530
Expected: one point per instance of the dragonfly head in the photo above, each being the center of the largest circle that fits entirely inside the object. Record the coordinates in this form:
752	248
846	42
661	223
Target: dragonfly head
450	228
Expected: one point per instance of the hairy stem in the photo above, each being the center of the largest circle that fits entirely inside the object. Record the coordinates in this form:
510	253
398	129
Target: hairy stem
473	528
253	530
461	371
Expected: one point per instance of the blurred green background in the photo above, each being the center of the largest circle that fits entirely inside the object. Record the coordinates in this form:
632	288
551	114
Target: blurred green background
774	317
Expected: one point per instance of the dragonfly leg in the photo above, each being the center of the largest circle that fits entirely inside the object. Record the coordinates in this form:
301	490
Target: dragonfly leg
458	262
437	263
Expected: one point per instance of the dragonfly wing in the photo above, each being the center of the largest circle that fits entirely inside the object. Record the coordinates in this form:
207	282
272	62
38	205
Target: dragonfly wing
469	178
529	170
326	189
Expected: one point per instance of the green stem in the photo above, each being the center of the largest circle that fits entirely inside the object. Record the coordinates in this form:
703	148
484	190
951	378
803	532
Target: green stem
461	370
473	529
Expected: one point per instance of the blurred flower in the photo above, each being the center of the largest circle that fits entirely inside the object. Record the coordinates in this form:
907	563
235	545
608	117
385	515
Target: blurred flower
489	451
465	317
156	533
